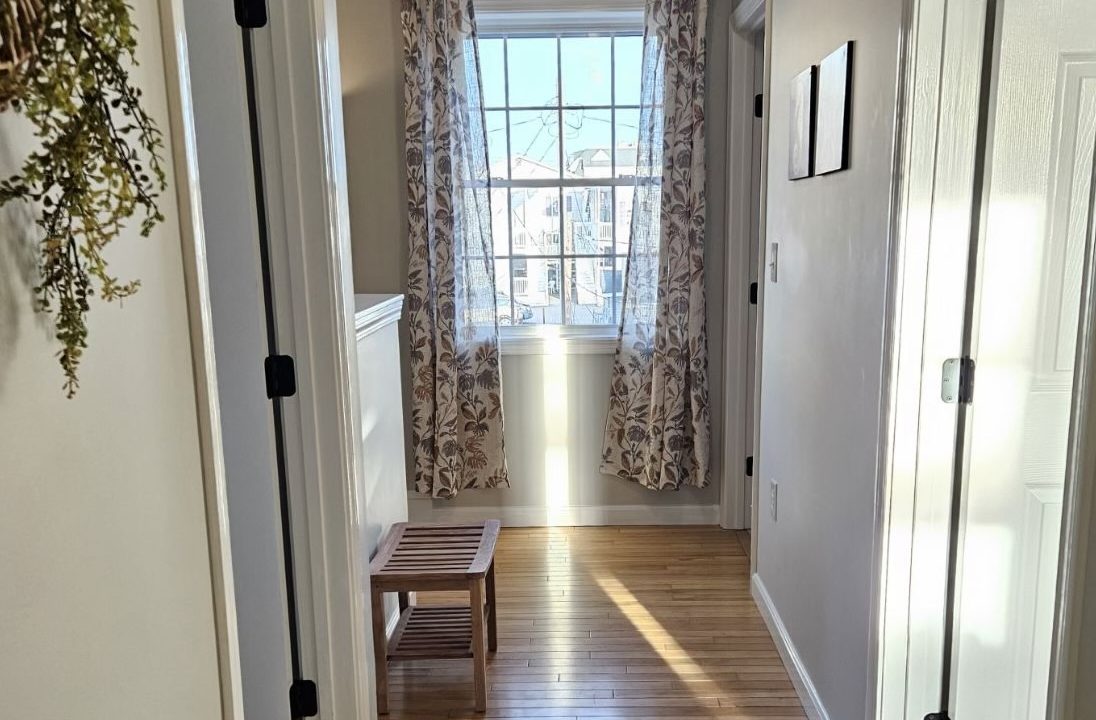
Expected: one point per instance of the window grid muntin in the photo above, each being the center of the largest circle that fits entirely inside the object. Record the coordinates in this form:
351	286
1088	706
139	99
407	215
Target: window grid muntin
561	183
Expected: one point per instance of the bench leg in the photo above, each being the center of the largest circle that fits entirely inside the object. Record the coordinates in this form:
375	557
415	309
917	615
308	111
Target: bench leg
380	649
492	618
479	652
404	600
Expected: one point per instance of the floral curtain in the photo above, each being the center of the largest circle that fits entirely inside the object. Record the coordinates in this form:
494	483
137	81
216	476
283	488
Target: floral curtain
456	408
658	431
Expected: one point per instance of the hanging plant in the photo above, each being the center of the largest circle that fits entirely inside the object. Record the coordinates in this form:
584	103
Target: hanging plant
64	65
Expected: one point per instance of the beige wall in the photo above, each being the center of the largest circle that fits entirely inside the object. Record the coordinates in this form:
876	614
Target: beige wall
371	54
823	343
371	59
105	597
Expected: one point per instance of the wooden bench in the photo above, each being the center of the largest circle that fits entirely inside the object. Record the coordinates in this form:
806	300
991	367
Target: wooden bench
421	557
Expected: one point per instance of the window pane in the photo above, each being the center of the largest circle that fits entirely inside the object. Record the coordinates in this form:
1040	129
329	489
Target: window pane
499	228
503	307
533	72
492	72
584	230
621	269
588	142
627	138
534	144
588	282
535	221
587	70
628	55
496	143
623	219
537	285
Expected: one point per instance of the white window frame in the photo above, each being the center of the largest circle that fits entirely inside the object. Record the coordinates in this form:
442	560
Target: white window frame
514	18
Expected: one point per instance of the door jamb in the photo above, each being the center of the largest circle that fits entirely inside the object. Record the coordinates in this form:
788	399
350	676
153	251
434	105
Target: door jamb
181	135
741	64
762	258
306	162
1073	614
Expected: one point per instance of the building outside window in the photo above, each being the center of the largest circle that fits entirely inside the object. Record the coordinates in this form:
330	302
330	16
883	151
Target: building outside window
562	126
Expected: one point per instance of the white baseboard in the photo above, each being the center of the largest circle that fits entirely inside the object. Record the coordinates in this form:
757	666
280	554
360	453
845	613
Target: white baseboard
804	687
424	510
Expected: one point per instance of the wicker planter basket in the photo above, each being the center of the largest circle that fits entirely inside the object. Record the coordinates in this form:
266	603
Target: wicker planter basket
21	25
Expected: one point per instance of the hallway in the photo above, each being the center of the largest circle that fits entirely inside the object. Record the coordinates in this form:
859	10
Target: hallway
614	622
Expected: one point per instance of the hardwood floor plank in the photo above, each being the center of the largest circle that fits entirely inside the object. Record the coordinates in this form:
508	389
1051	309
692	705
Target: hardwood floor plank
643	623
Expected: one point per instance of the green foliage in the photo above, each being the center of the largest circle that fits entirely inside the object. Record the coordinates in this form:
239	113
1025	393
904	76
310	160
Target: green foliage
98	164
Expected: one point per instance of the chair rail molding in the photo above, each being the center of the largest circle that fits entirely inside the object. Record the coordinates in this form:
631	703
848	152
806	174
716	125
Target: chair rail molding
373	312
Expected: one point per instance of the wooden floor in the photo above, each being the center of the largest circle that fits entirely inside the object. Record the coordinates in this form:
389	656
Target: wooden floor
613	622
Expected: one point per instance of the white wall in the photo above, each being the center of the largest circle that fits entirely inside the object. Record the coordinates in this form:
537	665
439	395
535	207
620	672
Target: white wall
372	71
106	603
555	408
383	489
239	334
822	364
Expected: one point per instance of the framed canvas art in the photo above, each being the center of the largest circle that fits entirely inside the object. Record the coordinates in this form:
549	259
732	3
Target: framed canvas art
801	125
834	108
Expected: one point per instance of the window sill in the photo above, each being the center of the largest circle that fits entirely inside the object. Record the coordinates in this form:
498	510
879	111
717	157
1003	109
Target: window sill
558	340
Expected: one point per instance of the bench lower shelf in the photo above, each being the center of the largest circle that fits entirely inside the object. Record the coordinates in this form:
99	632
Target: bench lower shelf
434	632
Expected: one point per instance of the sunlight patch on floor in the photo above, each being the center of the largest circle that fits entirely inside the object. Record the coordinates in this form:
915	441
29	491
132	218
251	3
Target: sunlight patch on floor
660	640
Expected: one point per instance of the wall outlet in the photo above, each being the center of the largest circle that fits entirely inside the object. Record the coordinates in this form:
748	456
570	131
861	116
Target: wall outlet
773	490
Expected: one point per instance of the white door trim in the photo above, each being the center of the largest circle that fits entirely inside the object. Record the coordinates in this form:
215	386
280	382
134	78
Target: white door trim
940	133
304	162
740	209
199	310
300	106
759	319
936	205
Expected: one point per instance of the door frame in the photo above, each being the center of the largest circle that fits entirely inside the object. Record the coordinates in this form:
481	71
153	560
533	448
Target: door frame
300	102
742	209
939	203
936	211
184	153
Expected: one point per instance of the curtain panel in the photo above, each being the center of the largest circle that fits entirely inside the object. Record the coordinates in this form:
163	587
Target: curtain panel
456	405
658	430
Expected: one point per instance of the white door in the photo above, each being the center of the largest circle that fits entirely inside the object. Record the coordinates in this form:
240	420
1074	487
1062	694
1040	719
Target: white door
1038	218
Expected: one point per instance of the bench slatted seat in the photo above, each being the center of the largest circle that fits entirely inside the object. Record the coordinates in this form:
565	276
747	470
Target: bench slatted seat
418	557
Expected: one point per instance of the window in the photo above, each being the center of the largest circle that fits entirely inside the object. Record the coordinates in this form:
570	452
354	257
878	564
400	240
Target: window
562	126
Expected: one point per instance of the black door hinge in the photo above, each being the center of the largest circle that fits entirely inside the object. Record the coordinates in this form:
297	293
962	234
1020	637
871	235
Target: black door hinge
749	466
251	13
937	716
759	105
281	378
753	293
303	701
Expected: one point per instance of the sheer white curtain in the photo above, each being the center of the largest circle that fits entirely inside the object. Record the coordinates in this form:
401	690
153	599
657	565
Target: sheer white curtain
658	431
456	408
